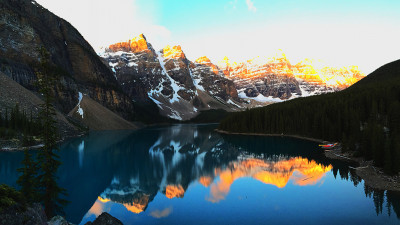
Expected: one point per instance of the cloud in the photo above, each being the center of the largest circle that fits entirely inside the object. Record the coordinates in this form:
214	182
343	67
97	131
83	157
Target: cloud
104	22
250	6
161	213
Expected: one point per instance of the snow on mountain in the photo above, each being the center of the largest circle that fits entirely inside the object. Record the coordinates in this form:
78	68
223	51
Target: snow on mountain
275	78
182	88
179	87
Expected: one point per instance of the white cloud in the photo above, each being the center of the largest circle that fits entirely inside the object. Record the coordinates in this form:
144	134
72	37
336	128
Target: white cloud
250	6
104	22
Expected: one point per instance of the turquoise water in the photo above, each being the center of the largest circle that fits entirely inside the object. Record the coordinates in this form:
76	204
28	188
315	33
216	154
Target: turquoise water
189	174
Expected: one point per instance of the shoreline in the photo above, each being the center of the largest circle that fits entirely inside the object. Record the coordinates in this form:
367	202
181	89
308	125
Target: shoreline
38	146
62	140
273	135
373	176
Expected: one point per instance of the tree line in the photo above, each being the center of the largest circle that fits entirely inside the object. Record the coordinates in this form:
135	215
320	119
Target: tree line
17	123
365	118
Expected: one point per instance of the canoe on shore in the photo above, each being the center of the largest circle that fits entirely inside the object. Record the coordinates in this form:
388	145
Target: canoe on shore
328	146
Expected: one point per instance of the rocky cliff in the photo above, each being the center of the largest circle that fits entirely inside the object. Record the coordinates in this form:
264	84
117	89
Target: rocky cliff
180	88
26	26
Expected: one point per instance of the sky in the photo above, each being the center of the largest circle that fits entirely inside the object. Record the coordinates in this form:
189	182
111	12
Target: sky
339	32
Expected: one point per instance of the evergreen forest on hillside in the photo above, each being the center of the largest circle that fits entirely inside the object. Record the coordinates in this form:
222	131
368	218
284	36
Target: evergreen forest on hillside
365	118
17	123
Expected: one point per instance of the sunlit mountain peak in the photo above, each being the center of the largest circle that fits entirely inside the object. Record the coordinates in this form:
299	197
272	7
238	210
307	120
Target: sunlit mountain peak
203	60
136	44
173	52
318	71
309	70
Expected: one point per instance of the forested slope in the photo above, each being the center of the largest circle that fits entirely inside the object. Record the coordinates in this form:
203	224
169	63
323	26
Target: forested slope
364	117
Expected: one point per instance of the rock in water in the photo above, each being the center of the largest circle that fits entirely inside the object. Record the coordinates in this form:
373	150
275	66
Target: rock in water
105	219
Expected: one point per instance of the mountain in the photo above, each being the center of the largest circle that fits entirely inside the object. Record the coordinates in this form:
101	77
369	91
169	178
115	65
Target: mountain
275	78
182	88
364	117
179	87
25	27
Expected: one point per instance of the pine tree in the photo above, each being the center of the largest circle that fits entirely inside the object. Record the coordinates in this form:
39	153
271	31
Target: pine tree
47	157
6	122
1	119
28	180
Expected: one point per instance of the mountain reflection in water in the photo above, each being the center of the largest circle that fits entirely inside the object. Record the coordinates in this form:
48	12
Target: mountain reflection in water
274	171
170	174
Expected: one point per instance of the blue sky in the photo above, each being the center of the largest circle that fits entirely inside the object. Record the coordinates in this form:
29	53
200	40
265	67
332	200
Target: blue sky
360	32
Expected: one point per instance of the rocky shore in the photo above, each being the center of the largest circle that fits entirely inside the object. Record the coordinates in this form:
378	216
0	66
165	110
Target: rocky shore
372	176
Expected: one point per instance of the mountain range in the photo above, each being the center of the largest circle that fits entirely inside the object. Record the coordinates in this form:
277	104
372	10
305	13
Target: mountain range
137	83
181	88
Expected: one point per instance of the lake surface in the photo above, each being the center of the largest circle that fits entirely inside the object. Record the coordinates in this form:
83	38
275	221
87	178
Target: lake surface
189	174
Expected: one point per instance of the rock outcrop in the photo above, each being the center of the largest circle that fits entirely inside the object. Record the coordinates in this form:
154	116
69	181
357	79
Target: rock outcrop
32	215
105	219
58	220
137	44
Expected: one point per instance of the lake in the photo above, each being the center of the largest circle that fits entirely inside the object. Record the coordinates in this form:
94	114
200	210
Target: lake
189	174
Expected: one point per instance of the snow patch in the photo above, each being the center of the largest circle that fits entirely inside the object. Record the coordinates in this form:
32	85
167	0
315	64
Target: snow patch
260	98
196	81
174	85
233	103
175	115
155	101
130	64
80	110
